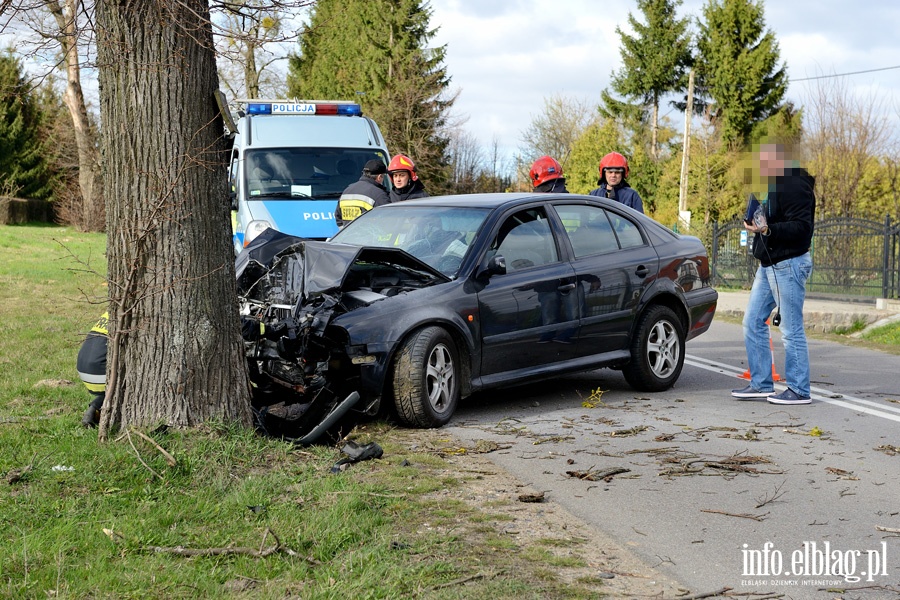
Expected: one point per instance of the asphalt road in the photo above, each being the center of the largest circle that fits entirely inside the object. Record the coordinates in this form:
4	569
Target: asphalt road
719	492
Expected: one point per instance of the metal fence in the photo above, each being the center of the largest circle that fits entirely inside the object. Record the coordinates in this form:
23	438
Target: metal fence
851	257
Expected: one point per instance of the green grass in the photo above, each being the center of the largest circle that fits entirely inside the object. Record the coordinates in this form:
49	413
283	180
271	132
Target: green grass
886	334
81	519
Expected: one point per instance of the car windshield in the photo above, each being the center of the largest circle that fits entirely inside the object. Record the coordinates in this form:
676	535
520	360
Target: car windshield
439	236
303	173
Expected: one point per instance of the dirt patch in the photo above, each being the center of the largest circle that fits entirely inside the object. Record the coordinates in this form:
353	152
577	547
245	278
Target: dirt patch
543	532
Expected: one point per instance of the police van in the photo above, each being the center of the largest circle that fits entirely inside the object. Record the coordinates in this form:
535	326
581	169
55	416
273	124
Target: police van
290	162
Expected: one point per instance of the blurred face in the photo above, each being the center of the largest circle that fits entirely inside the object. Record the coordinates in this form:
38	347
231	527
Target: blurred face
400	178
614	176
771	161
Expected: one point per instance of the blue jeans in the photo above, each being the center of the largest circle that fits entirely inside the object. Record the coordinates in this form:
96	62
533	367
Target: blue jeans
782	284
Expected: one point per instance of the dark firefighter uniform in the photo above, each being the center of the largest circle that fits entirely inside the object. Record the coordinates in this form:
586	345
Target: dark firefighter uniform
91	365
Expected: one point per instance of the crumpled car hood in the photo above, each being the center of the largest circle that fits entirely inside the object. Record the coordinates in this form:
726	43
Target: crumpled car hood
323	267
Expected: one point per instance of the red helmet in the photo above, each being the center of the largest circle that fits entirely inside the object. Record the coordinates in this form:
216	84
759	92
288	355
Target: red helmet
401	162
613	160
544	169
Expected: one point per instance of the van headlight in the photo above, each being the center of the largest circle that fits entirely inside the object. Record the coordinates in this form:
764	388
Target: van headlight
254	228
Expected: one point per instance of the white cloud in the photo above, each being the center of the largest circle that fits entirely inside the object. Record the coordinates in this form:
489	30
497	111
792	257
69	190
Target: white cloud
507	56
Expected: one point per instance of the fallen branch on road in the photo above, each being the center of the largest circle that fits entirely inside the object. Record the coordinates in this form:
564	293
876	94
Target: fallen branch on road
761	517
604	475
706	594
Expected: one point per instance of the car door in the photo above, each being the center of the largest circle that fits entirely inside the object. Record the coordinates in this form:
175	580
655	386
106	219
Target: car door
613	264
529	314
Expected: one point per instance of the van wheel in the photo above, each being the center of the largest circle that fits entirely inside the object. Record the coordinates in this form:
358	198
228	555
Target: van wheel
657	351
426	378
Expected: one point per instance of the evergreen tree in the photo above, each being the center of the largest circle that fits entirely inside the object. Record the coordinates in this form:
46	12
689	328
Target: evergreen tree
737	67
655	60
24	172
375	52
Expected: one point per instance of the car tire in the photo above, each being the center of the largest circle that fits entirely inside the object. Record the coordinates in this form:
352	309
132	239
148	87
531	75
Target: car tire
426	378
657	351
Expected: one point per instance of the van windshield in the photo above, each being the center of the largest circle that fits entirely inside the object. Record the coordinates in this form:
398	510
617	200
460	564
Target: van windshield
303	173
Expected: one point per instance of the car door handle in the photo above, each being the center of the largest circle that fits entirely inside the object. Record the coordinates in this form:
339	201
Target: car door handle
566	288
641	271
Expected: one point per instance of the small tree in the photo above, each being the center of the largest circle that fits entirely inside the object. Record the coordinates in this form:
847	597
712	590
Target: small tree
655	61
251	38
844	136
59	36
376	52
24	171
738	75
555	129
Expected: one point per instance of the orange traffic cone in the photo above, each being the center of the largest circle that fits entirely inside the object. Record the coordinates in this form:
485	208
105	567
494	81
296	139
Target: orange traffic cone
775	375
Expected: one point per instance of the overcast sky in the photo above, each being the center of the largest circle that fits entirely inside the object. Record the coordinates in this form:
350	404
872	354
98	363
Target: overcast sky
506	56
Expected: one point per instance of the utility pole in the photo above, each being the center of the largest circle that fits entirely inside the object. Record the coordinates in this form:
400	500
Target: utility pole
684	215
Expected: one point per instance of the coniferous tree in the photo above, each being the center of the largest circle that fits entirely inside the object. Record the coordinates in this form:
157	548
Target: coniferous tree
24	171
375	52
737	67
655	60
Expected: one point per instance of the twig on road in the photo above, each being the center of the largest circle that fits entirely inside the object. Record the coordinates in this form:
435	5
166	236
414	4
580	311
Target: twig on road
761	517
775	496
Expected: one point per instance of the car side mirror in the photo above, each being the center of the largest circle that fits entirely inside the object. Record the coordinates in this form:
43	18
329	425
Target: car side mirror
496	266
232	197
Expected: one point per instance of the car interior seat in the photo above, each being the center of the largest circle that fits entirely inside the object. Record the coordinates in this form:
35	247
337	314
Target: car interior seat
594	237
527	245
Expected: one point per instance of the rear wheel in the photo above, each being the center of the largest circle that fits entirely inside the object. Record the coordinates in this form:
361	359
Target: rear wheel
657	351
426	378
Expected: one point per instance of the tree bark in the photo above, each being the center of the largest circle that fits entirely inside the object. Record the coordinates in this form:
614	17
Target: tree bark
89	182
175	352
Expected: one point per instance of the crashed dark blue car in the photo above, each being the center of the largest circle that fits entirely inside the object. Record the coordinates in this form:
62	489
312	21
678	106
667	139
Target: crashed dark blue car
415	305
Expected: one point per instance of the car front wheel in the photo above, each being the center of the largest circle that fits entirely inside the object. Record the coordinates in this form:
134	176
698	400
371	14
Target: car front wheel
657	351
426	378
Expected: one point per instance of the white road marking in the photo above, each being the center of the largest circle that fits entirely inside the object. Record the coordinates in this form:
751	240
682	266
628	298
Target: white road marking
822	395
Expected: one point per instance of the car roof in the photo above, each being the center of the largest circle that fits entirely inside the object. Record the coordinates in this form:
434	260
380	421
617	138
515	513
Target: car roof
502	200
493	200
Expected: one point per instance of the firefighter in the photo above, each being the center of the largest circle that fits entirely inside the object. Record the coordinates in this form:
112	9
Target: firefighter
363	195
547	176
405	183
91	365
613	182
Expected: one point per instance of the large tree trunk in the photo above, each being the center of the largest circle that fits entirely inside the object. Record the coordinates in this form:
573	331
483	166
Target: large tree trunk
175	353
92	217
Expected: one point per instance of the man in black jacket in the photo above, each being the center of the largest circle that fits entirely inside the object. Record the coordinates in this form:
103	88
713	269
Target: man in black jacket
363	195
783	229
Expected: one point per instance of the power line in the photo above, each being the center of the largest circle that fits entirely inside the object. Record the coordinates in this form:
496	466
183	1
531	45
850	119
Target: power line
844	74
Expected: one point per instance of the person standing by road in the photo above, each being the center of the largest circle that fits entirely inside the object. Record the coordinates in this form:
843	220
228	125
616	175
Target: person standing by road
363	195
782	231
613	182
547	176
405	183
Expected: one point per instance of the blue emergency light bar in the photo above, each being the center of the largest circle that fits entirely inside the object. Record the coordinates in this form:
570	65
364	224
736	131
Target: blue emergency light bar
304	108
